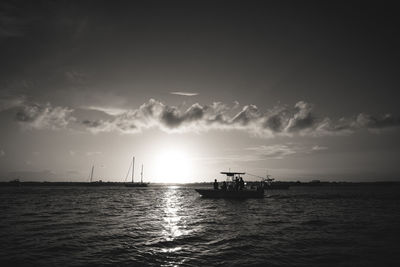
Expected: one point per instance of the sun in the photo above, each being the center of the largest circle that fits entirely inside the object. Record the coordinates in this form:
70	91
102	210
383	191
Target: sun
173	166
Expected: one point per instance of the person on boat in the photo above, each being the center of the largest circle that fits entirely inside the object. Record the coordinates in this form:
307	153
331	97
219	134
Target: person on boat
241	184
215	184
261	186
236	184
230	187
223	187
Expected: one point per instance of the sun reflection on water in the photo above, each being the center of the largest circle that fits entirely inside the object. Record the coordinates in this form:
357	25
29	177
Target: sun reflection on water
174	223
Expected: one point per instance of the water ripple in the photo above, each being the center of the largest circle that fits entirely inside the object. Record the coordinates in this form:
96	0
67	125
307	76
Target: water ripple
172	226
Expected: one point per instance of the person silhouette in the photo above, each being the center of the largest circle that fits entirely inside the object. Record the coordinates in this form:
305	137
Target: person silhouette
215	184
241	183
224	187
236	183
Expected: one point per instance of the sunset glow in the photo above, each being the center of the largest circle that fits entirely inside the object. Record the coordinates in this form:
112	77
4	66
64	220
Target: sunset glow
192	88
173	166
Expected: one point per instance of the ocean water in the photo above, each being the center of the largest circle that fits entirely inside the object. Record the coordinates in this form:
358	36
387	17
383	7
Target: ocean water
174	226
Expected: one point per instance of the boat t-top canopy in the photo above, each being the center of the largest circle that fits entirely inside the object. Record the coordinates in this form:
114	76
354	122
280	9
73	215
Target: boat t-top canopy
232	173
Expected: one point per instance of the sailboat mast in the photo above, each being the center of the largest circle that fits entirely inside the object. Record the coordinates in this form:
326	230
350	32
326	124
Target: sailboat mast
91	174
141	175
133	167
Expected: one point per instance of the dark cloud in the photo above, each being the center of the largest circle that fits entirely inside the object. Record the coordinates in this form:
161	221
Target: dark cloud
367	121
302	119
29	113
92	124
10	101
280	120
171	117
35	115
195	112
274	123
247	115
32	115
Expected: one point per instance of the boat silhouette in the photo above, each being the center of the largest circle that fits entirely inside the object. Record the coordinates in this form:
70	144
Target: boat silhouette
232	189
133	183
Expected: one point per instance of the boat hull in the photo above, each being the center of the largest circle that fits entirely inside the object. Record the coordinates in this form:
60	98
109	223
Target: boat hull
241	194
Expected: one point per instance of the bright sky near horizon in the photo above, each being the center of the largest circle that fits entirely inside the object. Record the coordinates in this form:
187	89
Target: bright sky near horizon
304	90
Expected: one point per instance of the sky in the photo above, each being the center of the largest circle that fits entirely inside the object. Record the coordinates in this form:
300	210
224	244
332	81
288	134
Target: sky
300	90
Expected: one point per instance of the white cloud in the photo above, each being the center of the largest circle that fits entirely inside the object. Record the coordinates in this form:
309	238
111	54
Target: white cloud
319	148
184	93
280	151
108	110
279	120
93	153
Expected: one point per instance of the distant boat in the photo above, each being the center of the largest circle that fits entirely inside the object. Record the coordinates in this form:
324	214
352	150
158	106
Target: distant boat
95	183
133	184
230	191
269	184
14	182
91	173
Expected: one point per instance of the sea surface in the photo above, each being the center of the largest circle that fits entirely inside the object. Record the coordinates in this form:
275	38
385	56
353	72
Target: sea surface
174	226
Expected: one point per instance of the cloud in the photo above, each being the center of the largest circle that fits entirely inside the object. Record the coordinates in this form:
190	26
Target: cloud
108	110
93	153
273	151
247	115
319	148
263	152
184	93
2	153
278	121
302	118
167	118
280	151
75	77
9	101
36	116
172	118
367	121
33	115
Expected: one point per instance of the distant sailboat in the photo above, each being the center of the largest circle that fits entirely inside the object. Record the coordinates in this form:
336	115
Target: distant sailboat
95	183
133	184
91	174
